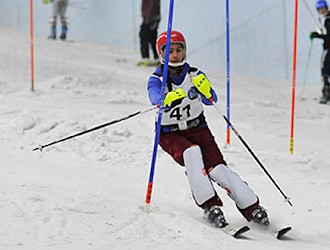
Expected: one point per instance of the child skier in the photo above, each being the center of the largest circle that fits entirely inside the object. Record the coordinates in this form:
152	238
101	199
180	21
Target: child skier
323	10
59	9
186	137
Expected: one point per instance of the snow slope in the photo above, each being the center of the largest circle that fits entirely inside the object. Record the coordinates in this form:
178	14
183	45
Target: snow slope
89	192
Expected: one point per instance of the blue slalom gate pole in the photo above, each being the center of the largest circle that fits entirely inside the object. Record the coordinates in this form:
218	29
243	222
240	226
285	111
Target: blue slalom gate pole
161	104
228	69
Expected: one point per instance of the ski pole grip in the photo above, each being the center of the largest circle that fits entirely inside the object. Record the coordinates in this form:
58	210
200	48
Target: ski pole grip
203	85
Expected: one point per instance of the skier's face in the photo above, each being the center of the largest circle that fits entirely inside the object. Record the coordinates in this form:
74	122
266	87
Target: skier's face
322	11
177	53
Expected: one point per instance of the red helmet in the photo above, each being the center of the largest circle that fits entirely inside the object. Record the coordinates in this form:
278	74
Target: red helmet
176	37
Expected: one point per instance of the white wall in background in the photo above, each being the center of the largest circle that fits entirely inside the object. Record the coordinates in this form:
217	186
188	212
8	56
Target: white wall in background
261	31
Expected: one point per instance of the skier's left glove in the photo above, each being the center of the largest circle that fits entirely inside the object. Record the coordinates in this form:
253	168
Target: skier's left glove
174	98
313	35
203	85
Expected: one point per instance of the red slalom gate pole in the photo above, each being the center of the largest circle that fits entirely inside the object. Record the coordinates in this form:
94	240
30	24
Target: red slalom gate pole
294	68
31	45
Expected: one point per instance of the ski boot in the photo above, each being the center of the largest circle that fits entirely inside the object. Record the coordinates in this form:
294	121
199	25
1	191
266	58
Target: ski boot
215	216
154	62
144	62
259	216
52	32
326	95
63	32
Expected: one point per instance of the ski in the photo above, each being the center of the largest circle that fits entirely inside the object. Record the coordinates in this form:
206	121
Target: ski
235	232
278	232
283	231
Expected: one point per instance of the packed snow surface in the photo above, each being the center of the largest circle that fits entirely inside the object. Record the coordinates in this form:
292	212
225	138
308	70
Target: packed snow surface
89	192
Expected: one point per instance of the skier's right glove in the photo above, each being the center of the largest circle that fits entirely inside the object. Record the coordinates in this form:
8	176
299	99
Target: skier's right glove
174	98
203	85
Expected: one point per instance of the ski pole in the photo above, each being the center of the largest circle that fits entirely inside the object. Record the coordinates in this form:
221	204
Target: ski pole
41	147
316	23
306	69
286	199
160	113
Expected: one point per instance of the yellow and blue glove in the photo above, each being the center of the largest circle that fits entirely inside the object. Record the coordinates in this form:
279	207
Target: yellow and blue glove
203	85
174	98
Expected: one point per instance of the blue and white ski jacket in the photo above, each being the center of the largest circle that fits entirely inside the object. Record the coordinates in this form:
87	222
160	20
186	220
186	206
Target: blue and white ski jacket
191	106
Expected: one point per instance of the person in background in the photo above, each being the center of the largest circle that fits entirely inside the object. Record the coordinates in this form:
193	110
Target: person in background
148	32
323	10
186	136
59	9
